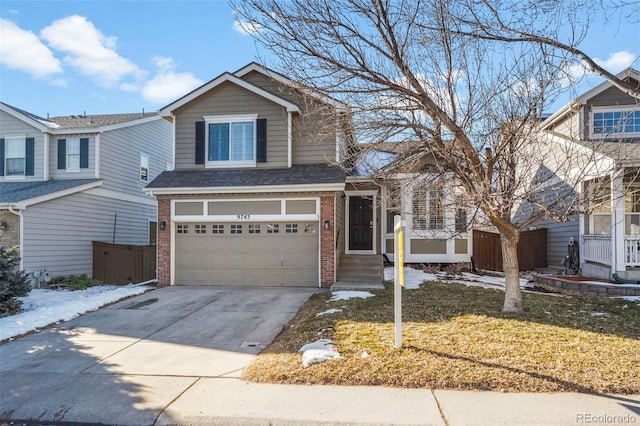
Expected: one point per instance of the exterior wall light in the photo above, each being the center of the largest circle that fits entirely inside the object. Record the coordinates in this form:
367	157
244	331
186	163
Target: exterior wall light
3	225
326	224
162	225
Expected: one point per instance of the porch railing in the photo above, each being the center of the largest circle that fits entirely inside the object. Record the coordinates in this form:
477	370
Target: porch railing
597	248
632	250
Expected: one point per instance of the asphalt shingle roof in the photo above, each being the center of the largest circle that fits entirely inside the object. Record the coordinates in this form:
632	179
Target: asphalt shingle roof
13	192
296	175
82	121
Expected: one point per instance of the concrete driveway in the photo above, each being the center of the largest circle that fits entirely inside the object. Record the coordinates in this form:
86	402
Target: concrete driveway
127	363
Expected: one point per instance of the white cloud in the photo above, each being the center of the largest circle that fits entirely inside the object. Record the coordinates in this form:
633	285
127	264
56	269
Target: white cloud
167	85
22	50
90	51
617	61
245	27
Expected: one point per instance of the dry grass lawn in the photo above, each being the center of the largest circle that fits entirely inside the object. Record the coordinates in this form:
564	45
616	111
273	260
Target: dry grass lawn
455	337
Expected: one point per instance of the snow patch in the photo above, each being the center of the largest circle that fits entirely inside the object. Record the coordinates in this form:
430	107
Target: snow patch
319	351
414	277
328	311
43	307
349	294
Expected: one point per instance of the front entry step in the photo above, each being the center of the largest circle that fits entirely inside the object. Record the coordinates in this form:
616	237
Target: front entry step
360	270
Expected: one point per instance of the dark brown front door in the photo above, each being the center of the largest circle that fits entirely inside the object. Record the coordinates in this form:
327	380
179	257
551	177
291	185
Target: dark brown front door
360	223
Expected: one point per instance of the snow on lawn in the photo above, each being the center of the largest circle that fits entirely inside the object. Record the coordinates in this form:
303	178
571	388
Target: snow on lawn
348	294
319	351
43	307
414	277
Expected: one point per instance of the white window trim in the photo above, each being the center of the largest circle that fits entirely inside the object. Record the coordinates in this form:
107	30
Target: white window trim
22	137
216	119
144	155
69	169
626	108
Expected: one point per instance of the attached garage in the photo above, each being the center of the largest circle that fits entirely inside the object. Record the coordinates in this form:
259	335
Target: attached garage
247	253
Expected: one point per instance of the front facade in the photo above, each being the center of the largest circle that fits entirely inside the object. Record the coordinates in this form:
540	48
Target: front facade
68	181
259	194
605	123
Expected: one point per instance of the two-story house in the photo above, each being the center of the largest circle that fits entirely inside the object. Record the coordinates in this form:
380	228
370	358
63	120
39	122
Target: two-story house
600	130
70	180
261	193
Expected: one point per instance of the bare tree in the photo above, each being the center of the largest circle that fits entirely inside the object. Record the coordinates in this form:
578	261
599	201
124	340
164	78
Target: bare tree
411	71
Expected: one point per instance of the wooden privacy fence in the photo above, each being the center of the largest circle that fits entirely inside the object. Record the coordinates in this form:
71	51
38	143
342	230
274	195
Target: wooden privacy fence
123	263
532	250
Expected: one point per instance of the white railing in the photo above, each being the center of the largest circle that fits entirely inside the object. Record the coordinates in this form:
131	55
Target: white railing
597	248
632	250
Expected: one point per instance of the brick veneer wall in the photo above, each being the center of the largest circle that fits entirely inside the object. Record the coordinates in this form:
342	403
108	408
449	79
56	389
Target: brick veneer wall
327	242
164	244
11	235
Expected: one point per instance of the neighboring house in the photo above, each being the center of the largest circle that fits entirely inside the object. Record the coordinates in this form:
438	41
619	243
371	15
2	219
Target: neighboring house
67	181
260	195
603	126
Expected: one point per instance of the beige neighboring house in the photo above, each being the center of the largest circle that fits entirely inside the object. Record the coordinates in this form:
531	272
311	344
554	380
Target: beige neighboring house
603	125
261	195
67	181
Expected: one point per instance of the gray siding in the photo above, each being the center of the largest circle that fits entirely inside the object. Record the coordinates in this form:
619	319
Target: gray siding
87	173
568	127
229	99
58	233
611	97
314	129
558	234
9	125
120	155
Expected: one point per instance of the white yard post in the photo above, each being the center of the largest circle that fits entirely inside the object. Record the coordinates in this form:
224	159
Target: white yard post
398	276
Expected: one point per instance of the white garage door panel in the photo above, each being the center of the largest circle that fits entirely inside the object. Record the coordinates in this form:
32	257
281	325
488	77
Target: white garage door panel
247	259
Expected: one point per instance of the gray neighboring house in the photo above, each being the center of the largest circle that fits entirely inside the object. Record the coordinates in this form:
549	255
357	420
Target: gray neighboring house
68	181
603	125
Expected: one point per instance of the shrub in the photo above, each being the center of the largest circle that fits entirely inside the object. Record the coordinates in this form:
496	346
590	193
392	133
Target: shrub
80	282
13	282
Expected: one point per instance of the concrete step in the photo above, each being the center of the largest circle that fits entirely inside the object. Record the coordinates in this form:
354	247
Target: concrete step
360	269
347	285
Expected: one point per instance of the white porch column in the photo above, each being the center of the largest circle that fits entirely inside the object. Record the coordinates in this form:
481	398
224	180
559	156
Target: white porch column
617	223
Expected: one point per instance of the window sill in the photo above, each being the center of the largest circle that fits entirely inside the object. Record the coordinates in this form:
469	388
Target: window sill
229	164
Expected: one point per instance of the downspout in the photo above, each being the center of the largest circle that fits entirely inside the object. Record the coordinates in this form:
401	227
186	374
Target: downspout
21	231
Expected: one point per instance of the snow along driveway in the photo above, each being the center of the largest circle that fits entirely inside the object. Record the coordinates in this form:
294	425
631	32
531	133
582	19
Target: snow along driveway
44	307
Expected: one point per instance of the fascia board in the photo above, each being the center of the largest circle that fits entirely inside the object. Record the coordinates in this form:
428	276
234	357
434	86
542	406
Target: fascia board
320	187
167	110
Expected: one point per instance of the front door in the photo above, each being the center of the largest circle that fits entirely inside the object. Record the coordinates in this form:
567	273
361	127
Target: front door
360	223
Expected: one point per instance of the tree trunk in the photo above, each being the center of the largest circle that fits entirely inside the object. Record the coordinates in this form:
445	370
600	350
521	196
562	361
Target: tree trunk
513	295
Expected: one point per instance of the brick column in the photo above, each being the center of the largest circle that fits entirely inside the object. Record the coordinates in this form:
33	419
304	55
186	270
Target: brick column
164	244
327	242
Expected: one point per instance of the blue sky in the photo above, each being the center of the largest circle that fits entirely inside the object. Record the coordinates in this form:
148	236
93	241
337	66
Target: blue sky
99	57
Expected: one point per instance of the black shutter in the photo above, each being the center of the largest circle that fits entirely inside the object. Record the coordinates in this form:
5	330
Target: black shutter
261	140
28	171
62	153
200	142
84	153
2	157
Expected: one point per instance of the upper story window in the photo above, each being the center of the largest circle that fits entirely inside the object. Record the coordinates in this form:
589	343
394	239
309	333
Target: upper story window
615	122
16	156
73	154
231	140
144	167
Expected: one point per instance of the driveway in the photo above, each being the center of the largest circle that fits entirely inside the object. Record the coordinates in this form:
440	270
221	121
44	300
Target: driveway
127	363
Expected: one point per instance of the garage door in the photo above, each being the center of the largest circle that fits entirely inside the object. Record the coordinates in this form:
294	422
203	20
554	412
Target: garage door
268	254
